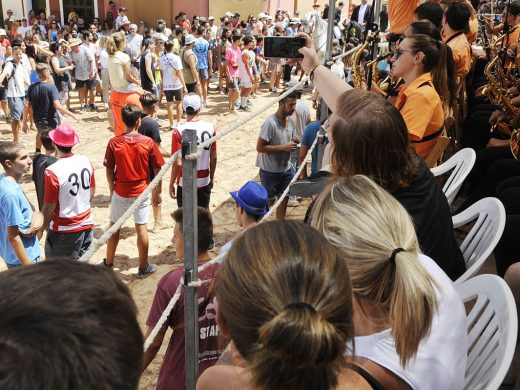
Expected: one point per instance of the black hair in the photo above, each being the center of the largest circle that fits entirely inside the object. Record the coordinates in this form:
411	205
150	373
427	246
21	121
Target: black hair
248	39
168	46
235	37
426	27
179	30
430	11
131	114
54	46
63	149
457	16
514	8
16	43
201	30
292	95
204	227
46	140
148	100
67	341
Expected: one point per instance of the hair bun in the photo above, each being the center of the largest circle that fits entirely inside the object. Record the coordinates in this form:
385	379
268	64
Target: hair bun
300	337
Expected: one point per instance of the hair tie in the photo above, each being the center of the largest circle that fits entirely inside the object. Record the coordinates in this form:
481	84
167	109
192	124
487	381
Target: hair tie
394	253
300	305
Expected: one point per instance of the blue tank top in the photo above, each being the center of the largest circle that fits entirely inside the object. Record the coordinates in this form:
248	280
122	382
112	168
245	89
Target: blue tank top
200	49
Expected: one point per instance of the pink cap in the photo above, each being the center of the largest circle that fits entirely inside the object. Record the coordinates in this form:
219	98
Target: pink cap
64	135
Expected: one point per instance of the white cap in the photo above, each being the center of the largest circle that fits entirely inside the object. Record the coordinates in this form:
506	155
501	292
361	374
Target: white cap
229	14
2	32
189	39
295	21
261	15
211	18
191	100
269	17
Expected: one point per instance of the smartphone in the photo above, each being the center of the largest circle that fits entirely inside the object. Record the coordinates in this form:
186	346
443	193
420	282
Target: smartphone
283	47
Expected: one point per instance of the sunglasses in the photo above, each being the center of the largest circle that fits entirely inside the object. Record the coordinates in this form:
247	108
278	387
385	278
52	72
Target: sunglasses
400	51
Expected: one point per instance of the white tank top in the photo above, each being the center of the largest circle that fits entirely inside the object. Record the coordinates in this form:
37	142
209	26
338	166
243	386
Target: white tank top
74	175
205	130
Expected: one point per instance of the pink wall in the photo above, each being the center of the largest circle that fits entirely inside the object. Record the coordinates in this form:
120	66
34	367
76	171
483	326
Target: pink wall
194	7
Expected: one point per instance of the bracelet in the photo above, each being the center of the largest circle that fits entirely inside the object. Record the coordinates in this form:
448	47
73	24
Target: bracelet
311	73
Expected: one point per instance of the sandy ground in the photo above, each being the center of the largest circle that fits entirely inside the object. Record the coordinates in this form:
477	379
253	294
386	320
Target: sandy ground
236	165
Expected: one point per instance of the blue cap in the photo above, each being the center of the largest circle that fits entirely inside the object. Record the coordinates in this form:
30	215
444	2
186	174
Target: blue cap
253	198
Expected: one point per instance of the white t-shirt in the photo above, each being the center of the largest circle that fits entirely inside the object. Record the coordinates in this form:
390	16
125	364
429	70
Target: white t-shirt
440	362
121	20
16	85
169	63
244	77
22	30
103	58
361	14
134	44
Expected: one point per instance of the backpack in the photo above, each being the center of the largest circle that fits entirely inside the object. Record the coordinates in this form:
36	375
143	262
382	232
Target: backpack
6	80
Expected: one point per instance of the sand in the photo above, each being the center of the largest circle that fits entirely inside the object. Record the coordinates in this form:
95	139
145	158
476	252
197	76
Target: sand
236	165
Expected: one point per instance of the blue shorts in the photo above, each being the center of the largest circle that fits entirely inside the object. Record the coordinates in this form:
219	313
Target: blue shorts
203	74
276	182
16	105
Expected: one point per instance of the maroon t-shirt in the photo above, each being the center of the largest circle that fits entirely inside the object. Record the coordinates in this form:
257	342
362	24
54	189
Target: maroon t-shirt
171	376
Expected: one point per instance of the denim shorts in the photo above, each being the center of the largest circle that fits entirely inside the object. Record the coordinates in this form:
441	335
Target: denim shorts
276	182
16	105
203	74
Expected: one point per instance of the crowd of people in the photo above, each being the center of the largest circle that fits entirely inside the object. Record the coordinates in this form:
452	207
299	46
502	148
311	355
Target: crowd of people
359	295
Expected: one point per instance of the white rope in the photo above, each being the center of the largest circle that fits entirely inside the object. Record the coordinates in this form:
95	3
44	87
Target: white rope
167	311
238	124
117	225
347	53
295	177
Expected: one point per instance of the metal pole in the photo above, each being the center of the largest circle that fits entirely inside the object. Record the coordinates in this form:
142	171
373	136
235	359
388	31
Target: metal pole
324	113
377	6
189	225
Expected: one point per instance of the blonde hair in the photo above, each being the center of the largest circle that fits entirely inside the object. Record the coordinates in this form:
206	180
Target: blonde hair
102	44
367	224
284	295
115	43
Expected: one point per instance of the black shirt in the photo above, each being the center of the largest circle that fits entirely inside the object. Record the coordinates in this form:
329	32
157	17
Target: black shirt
42	95
40	163
150	128
429	209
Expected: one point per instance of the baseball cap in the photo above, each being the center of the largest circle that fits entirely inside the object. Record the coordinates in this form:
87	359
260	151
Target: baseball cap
261	15
122	9
229	14
160	21
2	31
191	103
295	21
189	39
253	198
211	18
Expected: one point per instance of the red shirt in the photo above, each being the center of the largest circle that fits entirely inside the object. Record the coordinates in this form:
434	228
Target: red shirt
172	373
135	156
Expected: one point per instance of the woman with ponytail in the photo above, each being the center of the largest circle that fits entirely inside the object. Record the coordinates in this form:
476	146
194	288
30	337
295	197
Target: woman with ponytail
285	301
408	318
421	61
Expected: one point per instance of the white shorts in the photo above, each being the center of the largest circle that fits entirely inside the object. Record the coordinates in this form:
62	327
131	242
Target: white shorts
246	84
119	205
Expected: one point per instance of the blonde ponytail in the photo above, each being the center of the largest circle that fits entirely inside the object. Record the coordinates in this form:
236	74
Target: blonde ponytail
368	225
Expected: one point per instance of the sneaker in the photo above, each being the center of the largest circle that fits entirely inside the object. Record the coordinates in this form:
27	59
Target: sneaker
171	127
82	110
8	119
293	202
150	269
253	95
92	106
105	265
243	108
273	90
237	104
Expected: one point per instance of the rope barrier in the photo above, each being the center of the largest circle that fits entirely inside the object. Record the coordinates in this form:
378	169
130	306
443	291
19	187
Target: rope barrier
176	296
347	53
117	225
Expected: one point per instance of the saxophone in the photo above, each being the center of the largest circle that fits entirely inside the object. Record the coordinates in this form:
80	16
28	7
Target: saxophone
358	76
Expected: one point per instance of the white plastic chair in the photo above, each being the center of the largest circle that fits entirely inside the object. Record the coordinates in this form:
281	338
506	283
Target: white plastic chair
490	218
492	327
461	162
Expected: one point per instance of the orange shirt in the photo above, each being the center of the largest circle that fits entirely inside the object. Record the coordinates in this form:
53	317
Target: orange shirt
421	108
471	36
401	14
461	50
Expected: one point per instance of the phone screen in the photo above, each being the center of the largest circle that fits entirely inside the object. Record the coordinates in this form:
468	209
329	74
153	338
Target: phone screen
283	47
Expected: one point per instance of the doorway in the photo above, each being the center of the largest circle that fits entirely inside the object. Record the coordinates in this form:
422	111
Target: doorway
84	9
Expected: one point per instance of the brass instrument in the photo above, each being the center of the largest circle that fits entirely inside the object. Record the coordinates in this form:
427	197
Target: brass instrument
358	74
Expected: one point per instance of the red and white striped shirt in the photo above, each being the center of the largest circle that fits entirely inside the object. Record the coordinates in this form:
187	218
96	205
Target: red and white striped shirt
67	183
205	130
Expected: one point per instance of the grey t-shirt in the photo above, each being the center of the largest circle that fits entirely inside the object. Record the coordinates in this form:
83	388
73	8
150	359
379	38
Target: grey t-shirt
82	60
275	133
